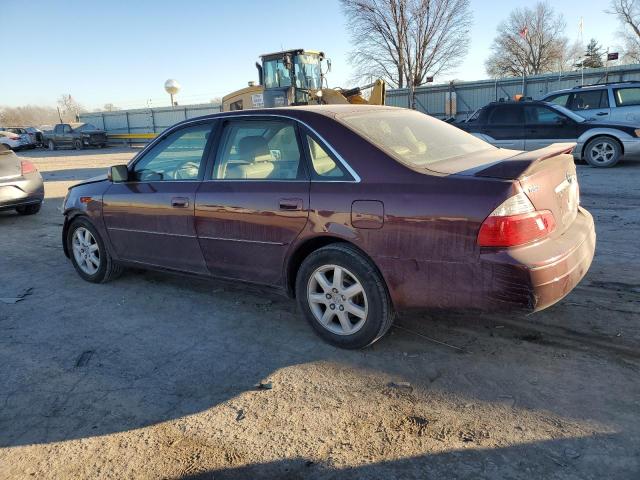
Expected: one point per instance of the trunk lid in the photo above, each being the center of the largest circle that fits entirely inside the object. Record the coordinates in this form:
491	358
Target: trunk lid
9	164
547	176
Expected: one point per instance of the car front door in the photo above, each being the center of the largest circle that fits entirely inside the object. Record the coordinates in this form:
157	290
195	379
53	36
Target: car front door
627	105
254	201
591	104
544	126
149	218
505	126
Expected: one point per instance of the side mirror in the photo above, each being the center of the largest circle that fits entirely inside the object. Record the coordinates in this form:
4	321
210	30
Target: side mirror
118	173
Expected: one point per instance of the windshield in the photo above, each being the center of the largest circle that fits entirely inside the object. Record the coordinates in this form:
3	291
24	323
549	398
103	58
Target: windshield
307	71
572	115
414	138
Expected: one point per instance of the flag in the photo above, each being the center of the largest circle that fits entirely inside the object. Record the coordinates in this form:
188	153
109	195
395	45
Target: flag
524	31
612	56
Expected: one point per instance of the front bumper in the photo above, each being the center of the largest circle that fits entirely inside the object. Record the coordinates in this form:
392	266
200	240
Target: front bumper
21	191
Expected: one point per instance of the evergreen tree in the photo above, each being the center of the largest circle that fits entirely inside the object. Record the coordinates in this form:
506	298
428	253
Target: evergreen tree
593	55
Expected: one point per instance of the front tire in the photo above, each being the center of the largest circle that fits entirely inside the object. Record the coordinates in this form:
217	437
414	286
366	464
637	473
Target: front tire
344	297
77	144
51	146
88	253
29	209
603	152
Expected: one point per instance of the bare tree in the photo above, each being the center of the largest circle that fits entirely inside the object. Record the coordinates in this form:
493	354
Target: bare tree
628	13
110	107
404	41
529	42
70	109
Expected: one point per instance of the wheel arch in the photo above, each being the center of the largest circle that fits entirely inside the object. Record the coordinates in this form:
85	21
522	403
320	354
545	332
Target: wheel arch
597	135
310	245
69	217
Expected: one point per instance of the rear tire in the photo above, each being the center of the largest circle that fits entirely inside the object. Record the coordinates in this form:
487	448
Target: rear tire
29	209
51	146
603	152
344	297
89	254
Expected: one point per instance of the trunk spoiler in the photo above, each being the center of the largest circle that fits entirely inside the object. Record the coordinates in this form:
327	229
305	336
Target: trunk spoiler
517	166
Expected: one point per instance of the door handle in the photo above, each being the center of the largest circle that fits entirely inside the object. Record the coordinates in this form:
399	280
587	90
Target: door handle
179	202
602	113
290	204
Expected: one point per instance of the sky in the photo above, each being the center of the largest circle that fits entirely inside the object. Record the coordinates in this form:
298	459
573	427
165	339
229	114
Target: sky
121	52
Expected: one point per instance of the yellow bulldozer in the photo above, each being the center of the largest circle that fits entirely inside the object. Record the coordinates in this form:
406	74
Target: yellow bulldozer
296	77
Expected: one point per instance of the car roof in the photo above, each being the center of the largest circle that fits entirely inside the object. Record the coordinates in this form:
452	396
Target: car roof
594	86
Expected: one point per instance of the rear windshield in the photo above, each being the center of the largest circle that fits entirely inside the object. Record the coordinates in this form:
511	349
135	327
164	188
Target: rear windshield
413	138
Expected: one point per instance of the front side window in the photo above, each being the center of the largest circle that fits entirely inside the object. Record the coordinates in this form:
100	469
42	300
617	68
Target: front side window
276	74
627	96
413	138
506	115
589	100
324	167
259	150
543	115
176	157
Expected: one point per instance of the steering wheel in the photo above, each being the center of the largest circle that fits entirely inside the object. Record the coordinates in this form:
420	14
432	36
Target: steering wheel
186	171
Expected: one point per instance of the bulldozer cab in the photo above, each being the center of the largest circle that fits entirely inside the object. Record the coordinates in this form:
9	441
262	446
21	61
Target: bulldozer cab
289	76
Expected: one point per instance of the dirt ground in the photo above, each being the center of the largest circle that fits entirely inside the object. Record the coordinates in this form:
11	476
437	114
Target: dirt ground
154	376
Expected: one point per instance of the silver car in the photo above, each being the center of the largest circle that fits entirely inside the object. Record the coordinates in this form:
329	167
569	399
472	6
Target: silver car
617	102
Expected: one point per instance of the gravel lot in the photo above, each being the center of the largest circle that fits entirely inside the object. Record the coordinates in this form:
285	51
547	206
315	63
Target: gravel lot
154	376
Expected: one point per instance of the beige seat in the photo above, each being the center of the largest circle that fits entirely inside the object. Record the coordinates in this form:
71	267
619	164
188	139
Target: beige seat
253	150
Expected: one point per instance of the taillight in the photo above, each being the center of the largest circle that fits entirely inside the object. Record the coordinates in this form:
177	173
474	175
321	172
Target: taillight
27	167
515	222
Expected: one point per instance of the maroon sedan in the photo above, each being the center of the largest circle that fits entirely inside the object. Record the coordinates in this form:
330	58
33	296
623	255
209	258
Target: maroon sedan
357	211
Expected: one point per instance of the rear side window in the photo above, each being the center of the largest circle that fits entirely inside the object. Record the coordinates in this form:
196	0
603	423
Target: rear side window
559	99
259	150
413	138
506	114
589	100
627	96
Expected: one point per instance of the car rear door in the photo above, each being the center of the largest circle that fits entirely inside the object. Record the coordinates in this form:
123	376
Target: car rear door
591	104
149	219
544	126
627	105
254	201
505	126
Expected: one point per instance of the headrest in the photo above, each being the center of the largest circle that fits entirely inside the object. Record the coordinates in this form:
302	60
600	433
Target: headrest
253	146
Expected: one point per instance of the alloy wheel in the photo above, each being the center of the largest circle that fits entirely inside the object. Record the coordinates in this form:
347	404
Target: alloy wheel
602	152
337	299
86	251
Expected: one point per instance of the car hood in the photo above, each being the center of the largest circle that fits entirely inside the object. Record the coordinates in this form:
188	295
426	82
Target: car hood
96	179
89	132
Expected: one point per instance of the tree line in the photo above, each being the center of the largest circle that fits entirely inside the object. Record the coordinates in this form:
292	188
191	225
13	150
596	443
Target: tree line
407	42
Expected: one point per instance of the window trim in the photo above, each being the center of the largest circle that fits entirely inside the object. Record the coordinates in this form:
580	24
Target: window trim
169	131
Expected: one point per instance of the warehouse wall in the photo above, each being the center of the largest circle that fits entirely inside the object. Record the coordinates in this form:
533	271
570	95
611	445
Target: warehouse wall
146	120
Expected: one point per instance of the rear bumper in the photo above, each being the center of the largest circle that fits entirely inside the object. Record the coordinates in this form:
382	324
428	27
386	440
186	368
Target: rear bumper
537	276
21	191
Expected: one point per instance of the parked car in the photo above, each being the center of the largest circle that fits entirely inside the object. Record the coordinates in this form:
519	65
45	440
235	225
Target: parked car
529	125
12	140
21	186
618	102
357	211
76	135
28	134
